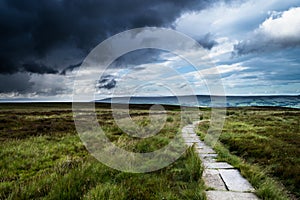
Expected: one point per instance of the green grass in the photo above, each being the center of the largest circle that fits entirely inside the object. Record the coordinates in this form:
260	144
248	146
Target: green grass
264	145
42	157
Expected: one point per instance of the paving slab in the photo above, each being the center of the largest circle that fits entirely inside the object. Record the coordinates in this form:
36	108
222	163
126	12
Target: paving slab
234	180
204	145
208	155
226	182
205	150
190	126
227	195
201	145
217	165
213	179
209	160
191	140
190	137
188	129
189	143
190	134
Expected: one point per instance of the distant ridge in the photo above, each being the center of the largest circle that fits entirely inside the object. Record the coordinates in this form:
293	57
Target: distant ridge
290	101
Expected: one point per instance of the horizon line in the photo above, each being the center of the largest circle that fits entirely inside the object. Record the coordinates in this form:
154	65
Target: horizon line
32	100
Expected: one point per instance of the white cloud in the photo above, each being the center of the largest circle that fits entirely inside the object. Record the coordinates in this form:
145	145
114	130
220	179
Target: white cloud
229	23
279	31
282	25
231	20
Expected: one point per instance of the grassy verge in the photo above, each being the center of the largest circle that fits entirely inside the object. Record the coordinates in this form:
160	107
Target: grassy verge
264	145
43	158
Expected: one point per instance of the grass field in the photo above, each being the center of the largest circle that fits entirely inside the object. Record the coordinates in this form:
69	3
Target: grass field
42	156
268	143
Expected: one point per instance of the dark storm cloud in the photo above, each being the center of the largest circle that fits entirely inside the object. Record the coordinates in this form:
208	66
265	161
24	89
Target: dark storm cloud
70	68
207	41
130	60
38	68
107	82
261	44
31	29
139	57
17	82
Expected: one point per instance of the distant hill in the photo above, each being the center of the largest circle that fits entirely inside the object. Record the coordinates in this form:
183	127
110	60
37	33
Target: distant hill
291	101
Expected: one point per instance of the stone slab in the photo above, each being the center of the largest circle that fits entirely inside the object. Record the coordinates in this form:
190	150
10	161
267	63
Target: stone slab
213	180
190	126
217	165
205	145
191	140
201	144
189	143
234	180
190	137
189	134
219	176
195	123
209	160
188	130
208	155
226	195
205	150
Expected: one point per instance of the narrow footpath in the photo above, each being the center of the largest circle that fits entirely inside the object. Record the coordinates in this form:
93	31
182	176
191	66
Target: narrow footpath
223	181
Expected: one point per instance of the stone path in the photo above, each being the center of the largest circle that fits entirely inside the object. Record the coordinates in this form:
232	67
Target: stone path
223	181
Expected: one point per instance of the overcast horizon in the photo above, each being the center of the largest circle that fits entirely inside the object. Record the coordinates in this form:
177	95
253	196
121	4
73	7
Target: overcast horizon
254	45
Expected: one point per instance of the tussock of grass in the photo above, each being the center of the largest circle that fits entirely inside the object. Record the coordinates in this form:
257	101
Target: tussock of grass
264	145
266	187
73	179
45	164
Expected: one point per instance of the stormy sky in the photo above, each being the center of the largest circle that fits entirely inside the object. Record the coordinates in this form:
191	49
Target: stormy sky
255	45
